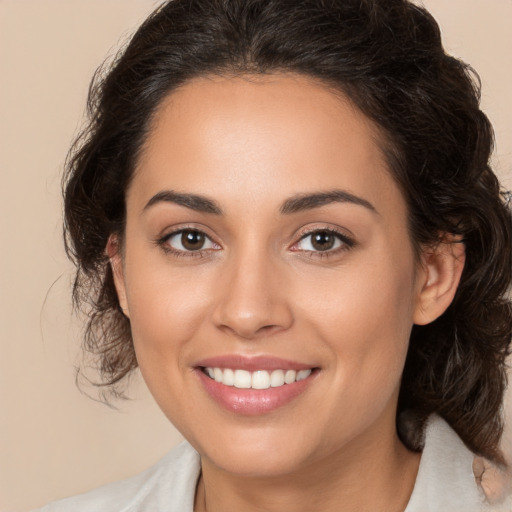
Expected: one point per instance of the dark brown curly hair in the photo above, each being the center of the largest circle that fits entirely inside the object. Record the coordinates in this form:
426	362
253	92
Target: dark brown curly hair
387	57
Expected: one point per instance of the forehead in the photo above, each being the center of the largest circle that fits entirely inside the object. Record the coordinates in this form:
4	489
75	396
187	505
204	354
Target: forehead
261	136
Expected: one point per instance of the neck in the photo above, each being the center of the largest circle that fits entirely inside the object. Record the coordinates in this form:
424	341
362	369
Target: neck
368	475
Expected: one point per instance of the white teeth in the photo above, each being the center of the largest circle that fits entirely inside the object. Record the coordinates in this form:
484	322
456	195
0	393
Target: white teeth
229	377
242	379
303	374
260	379
277	378
289	376
217	374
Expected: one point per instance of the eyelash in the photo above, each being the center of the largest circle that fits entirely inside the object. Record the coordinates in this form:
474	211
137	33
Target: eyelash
347	243
163	242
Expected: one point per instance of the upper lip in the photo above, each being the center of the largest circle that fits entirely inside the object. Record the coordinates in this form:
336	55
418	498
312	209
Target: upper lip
252	363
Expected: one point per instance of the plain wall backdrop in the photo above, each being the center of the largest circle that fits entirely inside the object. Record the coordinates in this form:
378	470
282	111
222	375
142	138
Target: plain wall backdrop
55	441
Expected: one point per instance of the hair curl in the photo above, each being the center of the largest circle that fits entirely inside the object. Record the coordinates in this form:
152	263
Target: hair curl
387	57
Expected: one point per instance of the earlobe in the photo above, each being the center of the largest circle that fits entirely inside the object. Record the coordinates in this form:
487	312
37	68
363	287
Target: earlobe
439	278
113	251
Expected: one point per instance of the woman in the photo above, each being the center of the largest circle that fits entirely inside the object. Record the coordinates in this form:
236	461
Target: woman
283	214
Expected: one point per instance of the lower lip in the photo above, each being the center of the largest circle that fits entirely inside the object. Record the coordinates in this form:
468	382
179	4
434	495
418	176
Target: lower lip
253	402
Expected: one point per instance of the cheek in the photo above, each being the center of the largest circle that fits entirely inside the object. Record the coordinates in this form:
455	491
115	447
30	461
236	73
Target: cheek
364	315
166	312
166	308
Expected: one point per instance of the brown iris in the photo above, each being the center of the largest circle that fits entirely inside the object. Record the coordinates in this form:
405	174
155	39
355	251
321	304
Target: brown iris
322	240
192	240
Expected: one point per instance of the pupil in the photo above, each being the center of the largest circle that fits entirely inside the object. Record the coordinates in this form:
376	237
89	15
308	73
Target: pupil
192	240
323	241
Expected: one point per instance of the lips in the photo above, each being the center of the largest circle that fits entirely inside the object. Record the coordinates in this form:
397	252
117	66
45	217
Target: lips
254	385
252	363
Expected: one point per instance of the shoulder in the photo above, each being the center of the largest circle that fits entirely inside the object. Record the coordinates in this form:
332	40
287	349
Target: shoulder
446	478
174	476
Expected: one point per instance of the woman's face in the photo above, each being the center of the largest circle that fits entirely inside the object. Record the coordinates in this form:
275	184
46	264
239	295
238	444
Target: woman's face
266	242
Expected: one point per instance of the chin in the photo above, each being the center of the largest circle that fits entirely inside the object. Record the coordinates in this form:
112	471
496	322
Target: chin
260	452
267	464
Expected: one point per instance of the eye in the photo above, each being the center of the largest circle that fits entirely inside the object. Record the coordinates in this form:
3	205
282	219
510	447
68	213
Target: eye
323	240
189	240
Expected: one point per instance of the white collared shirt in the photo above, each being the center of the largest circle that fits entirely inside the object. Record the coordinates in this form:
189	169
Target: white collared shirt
445	482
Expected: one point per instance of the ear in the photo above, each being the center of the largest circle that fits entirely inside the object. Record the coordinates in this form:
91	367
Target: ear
438	278
114	253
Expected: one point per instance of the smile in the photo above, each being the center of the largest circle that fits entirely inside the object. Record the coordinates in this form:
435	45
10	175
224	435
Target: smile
259	379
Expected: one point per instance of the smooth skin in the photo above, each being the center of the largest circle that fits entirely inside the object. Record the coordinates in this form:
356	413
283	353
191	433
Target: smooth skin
247	278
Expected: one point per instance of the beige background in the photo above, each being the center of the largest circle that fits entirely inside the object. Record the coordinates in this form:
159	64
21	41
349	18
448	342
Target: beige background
54	441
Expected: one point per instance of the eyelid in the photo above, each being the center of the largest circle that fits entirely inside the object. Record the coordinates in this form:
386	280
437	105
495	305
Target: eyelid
162	241
177	234
348	241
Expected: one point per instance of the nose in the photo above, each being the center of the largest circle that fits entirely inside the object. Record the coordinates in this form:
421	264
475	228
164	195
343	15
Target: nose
251	298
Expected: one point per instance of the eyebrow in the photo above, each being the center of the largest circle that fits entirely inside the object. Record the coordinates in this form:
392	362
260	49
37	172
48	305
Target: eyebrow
192	201
304	202
295	204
